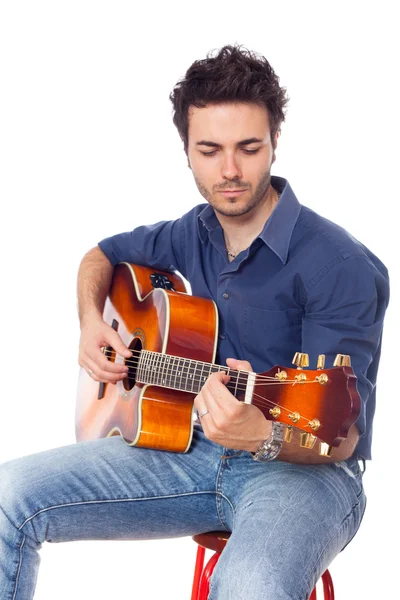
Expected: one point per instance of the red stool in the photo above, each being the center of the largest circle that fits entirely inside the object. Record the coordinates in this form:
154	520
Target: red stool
216	541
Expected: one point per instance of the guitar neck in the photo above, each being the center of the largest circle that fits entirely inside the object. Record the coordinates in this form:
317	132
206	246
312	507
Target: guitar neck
178	373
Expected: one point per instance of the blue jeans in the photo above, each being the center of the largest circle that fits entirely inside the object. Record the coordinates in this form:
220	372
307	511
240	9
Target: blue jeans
288	521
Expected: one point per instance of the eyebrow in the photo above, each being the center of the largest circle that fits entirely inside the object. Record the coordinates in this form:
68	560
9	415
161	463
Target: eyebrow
252	140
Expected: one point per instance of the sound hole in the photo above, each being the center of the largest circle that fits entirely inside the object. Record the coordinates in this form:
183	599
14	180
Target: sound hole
132	363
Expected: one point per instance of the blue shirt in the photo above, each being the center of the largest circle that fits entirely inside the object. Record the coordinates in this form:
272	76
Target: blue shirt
303	285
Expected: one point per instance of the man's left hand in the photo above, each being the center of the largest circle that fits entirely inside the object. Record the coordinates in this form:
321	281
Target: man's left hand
230	422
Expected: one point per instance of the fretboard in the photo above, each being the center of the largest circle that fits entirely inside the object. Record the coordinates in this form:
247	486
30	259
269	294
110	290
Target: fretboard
184	374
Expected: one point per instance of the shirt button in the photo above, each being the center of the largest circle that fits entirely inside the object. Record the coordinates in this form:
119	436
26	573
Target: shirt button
225	296
222	336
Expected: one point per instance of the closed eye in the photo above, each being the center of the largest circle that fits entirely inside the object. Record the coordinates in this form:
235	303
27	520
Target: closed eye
243	149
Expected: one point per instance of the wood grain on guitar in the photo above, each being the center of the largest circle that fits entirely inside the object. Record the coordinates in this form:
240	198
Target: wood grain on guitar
173	339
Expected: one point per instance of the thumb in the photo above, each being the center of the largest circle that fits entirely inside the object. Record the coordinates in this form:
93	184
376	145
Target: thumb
118	344
240	365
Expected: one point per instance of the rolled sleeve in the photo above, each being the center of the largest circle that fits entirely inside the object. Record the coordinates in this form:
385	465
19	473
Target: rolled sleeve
159	245
344	315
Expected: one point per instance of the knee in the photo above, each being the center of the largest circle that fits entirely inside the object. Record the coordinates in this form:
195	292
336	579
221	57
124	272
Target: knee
255	578
16	491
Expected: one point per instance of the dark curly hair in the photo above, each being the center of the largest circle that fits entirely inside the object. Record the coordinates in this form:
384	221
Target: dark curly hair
233	75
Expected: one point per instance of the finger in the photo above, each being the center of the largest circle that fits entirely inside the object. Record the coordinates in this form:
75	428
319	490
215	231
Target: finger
98	374
114	340
97	361
239	365
215	393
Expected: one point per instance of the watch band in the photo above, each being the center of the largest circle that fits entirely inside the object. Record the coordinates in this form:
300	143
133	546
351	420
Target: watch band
271	447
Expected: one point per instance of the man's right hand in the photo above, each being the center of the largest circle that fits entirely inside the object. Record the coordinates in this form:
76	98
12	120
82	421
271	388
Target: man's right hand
96	334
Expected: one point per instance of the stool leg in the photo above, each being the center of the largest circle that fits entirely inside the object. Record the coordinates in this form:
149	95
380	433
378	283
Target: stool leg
198	569
205	578
329	592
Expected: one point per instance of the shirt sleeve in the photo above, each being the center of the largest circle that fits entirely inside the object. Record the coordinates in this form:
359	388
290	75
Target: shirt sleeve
160	245
344	314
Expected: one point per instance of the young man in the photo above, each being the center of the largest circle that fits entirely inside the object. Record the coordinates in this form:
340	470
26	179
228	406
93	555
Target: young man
283	279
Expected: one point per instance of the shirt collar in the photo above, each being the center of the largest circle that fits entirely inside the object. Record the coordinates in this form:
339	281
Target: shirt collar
278	229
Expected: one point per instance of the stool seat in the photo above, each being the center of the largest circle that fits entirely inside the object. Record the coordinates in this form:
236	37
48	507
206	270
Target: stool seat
213	540
216	541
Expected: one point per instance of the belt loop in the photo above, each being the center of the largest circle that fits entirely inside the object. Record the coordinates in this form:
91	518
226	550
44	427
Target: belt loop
364	465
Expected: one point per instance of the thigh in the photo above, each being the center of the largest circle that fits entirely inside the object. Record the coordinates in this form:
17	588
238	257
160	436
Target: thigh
290	522
105	489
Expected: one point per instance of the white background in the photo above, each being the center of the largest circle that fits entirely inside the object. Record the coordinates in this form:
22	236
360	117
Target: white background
88	149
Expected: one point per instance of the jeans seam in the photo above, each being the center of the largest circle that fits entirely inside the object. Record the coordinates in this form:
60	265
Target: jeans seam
19	569
82	502
218	486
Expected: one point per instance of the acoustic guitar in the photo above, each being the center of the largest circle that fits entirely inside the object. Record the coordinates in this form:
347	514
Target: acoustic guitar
173	339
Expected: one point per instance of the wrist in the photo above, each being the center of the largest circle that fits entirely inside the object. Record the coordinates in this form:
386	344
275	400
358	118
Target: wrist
272	446
265	434
89	317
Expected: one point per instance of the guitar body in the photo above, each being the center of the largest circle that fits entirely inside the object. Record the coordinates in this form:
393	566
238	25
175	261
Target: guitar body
159	320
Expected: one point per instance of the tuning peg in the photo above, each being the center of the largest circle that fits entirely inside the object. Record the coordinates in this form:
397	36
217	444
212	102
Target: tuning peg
342	360
307	440
321	361
287	436
325	449
300	359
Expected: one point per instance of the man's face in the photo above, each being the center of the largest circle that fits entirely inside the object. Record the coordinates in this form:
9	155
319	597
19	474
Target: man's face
230	148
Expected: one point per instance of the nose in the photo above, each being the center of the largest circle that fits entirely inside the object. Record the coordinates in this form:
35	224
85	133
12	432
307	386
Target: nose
231	168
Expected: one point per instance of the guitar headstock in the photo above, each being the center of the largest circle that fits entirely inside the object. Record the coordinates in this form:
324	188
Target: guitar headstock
323	403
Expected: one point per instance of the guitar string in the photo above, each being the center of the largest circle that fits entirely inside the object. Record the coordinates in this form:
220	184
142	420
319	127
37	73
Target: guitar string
242	379
273	380
174	357
263	400
266	402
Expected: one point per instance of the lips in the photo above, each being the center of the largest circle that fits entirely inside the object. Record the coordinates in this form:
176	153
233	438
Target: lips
232	192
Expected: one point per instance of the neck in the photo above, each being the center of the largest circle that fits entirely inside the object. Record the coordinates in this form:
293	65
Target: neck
239	232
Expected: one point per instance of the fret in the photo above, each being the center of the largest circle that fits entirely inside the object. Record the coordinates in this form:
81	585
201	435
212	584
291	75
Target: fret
236	384
192	373
158	370
208	370
152	367
187	373
142	363
203	378
139	367
197	384
146	368
178	378
176	368
138	370
167	370
161	370
143	370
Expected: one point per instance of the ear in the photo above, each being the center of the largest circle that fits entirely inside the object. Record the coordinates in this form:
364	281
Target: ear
275	144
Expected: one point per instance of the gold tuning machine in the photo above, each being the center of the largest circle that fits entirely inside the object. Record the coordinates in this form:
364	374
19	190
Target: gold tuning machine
342	360
325	449
307	440
321	361
300	359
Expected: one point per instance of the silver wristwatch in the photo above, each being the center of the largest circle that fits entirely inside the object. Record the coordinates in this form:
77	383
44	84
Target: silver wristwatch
271	447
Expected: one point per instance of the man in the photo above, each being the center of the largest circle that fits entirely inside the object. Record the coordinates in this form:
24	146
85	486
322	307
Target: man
283	279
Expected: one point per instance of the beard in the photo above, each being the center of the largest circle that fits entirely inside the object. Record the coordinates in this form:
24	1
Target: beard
234	206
